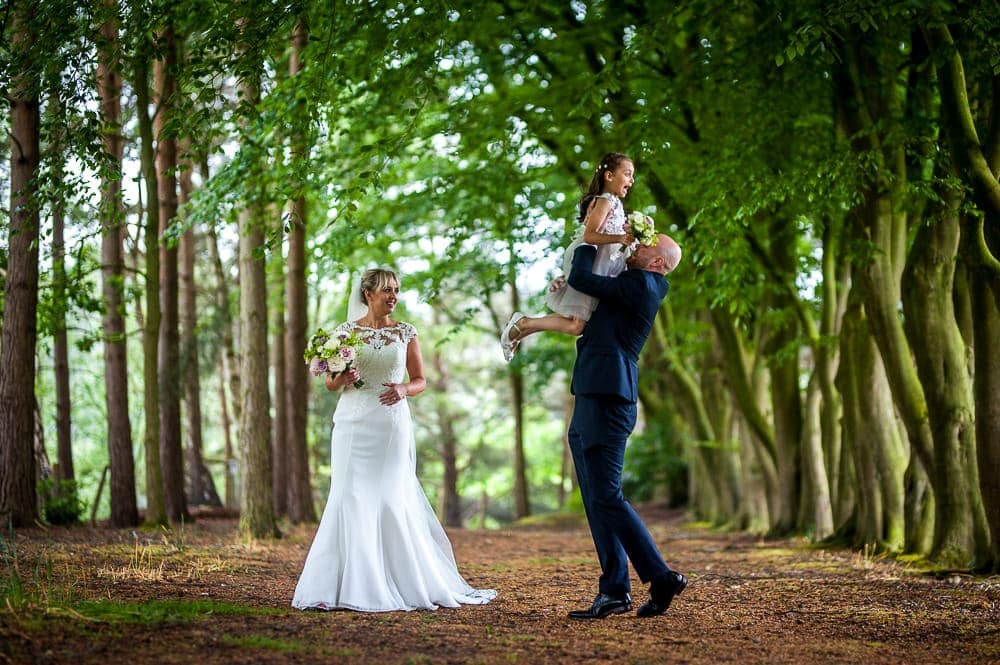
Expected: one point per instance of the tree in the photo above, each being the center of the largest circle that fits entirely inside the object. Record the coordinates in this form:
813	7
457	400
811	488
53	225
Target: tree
256	495
18	501
156	512
168	348
124	511
300	504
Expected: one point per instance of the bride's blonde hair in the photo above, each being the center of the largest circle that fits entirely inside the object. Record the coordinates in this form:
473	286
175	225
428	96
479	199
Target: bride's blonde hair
375	279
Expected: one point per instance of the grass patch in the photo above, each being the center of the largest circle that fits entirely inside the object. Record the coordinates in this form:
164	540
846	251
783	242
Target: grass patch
263	642
165	611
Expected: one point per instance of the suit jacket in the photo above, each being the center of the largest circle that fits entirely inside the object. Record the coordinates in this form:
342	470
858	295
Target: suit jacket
607	354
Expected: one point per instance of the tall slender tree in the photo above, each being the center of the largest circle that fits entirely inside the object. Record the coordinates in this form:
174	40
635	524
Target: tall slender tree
60	351
18	501
256	496
168	352
124	510
200	486
156	512
300	504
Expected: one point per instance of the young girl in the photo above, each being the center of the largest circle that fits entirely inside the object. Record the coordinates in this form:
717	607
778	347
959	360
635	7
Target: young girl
603	224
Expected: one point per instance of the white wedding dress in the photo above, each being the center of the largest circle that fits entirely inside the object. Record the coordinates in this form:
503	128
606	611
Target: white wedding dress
379	547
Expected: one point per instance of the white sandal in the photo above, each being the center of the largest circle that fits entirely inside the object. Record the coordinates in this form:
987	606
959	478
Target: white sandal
506	345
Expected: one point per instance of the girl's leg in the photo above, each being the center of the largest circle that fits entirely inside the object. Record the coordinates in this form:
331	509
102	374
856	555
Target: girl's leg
528	325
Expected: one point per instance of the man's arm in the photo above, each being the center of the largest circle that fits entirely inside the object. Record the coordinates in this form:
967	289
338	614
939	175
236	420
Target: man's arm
583	279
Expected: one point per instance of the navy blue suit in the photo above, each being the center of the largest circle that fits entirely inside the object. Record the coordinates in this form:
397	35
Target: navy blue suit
605	383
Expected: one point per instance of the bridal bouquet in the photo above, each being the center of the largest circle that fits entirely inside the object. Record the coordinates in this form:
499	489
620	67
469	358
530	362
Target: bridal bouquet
332	353
642	228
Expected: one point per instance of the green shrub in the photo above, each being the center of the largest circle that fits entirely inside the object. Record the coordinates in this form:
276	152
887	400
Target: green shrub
61	504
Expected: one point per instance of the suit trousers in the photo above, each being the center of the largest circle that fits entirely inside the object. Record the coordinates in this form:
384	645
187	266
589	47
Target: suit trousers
598	432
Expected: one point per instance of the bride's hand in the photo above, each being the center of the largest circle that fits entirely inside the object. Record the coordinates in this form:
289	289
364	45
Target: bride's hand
557	283
346	378
394	394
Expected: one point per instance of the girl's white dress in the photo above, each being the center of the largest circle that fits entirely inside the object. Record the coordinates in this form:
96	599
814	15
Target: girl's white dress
379	546
610	261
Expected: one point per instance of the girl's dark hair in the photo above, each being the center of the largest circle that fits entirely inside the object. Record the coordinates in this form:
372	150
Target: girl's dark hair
610	162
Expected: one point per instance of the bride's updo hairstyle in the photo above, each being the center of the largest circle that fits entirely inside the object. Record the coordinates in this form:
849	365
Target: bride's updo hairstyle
375	279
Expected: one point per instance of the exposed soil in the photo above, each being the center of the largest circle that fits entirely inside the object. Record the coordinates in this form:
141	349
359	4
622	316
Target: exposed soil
199	594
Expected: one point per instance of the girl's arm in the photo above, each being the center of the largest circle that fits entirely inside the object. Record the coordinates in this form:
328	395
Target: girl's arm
593	224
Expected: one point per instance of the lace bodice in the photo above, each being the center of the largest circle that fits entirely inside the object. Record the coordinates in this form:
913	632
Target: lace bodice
615	224
382	359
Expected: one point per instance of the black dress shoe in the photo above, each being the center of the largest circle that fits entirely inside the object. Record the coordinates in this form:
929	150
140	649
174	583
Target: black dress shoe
603	606
661	591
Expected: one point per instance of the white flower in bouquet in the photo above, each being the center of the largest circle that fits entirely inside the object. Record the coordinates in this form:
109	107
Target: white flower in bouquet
642	228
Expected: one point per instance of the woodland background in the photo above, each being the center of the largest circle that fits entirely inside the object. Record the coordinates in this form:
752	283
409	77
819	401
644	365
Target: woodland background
192	183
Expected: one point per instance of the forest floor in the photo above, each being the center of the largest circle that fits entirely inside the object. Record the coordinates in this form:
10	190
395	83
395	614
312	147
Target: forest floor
200	594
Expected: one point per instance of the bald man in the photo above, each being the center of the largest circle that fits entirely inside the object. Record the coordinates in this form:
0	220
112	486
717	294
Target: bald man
605	383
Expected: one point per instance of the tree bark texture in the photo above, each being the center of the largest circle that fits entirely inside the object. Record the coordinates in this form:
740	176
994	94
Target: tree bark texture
18	501
60	351
156	513
300	497
169	367
941	363
279	423
450	508
256	498
522	505
199	484
124	509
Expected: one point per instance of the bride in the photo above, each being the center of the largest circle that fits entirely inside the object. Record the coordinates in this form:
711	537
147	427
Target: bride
379	546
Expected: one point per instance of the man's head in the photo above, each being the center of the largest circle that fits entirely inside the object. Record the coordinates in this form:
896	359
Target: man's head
661	258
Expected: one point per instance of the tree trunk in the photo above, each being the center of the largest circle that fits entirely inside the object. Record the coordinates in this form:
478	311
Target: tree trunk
169	376
18	501
522	507
450	505
124	509
939	353
744	395
300	498
978	163
256	496
230	362
229	462
200	486
64	445
814	465
279	423
156	513
876	438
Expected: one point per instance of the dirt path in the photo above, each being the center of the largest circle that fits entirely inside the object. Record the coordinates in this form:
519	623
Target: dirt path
199	595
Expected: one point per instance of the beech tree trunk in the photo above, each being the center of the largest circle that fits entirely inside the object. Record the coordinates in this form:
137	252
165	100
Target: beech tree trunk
877	443
124	510
18	500
931	326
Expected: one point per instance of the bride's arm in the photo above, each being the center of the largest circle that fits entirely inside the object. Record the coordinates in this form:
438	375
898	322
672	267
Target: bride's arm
415	370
